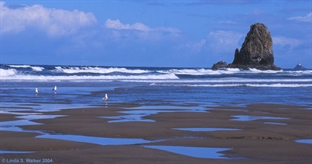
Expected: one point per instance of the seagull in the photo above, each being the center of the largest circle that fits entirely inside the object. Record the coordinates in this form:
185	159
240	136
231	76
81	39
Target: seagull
54	89
105	97
36	91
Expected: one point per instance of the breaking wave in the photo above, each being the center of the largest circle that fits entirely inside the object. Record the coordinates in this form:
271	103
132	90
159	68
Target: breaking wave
97	70
274	85
7	72
76	78
20	66
34	68
192	77
201	71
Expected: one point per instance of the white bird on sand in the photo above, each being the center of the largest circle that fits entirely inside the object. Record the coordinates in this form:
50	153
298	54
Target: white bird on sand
36	91
105	97
54	89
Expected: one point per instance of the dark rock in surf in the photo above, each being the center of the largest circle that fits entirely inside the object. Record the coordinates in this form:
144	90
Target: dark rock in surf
256	51
220	64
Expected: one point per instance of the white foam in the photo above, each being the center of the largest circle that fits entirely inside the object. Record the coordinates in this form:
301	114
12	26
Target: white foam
76	78
7	72
225	71
201	71
280	85
275	85
297	73
225	80
278	72
20	66
38	69
75	70
34	68
254	70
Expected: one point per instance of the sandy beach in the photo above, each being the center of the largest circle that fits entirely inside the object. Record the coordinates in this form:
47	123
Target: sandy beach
269	138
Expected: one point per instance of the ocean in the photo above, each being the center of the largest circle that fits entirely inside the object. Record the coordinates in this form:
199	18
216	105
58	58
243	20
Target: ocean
79	86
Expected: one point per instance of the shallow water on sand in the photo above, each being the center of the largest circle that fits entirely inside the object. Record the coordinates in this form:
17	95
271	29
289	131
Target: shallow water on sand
137	114
205	129
155	90
95	140
252	118
305	141
13	152
275	123
197	152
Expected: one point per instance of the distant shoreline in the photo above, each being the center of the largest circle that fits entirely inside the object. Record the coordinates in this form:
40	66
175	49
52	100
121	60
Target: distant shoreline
131	66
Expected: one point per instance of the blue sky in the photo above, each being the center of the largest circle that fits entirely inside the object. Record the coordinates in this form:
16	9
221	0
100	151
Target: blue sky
158	33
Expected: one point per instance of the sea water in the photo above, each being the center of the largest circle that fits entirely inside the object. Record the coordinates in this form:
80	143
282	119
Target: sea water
86	85
153	89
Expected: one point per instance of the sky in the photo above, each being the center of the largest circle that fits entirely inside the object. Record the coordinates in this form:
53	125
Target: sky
152	33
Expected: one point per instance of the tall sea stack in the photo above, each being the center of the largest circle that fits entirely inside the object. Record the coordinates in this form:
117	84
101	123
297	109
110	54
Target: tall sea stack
256	51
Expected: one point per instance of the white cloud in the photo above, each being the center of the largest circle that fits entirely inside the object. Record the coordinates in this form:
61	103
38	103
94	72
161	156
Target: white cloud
224	41
139	31
283	41
307	18
116	24
55	22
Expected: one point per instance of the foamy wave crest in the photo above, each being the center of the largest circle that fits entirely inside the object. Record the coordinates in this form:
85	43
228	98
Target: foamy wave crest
297	73
34	68
99	70
280	85
254	70
229	80
37	68
276	85
7	72
19	66
76	78
201	71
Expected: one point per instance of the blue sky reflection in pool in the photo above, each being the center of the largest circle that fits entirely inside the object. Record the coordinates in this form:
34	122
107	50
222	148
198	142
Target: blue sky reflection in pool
306	141
252	118
205	129
96	140
197	152
14	152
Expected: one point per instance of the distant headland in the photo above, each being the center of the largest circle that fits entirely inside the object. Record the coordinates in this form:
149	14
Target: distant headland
299	66
256	51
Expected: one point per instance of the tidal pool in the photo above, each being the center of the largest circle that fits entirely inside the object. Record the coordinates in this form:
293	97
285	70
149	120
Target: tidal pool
205	129
17	123
14	126
171	108
275	123
14	152
127	118
136	114
39	116
252	118
95	140
197	152
305	141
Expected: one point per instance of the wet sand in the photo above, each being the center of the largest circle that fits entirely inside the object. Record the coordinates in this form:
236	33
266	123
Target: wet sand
255	142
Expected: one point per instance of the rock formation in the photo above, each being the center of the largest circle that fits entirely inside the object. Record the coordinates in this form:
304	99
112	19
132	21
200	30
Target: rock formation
256	51
220	64
299	67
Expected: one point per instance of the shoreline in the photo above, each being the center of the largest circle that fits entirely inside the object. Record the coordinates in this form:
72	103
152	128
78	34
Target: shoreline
254	141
